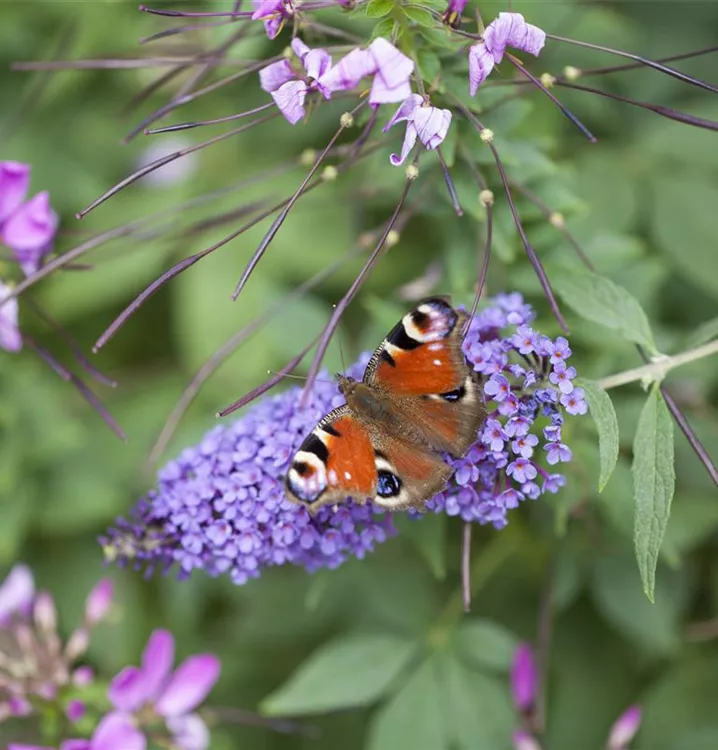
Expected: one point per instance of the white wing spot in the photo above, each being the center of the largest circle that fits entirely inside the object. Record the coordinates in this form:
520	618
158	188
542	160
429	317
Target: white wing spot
347	475
333	478
437	362
436	347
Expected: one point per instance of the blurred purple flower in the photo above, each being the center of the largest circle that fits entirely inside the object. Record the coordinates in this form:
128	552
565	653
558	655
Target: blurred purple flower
154	688
27	228
221	505
624	729
524	741
524	678
452	14
17	593
507	30
429	124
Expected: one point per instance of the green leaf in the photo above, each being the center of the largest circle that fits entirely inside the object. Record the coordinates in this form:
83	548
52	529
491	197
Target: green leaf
420	16
654	480
380	8
685	225
384	28
429	536
413	718
703	334
598	299
354	670
477	706
484	643
604	417
429	65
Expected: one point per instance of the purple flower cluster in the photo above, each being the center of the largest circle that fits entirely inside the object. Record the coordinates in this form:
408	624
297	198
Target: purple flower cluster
289	82
28	229
221	506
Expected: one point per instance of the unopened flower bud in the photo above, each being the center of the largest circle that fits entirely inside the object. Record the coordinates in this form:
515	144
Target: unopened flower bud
487	135
99	601
547	80
75	710
77	645
572	73
412	172
624	729
557	219
524	741
392	238
346	120
83	676
329	174
524	678
486	198
45	613
308	157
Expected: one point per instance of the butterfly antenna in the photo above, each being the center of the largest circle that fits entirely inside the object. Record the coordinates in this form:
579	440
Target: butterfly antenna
341	350
296	377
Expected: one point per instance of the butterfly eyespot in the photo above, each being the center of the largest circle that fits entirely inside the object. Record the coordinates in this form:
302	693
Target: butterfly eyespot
456	395
302	469
389	485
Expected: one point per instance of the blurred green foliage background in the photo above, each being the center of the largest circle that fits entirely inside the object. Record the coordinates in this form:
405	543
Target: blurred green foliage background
643	204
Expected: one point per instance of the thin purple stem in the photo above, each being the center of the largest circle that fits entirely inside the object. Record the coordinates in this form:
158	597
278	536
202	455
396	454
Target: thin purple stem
518	65
201	123
449	183
279	220
182	29
466	567
185	14
642	60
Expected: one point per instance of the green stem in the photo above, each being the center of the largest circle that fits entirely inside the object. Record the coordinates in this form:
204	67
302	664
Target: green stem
658	368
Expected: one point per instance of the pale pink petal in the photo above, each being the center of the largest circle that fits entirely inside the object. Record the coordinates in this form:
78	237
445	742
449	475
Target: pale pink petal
289	98
347	73
29	232
189	732
300	49
266	8
405	111
409	141
624	729
18	589
275	75
524	741
99	601
157	660
432	125
14	183
189	685
317	62
511	30
481	63
117	731
382	94
392	66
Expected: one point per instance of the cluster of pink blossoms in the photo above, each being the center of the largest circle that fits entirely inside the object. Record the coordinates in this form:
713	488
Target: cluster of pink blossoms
290	81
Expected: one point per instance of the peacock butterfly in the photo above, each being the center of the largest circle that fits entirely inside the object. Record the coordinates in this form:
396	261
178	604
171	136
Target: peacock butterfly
419	398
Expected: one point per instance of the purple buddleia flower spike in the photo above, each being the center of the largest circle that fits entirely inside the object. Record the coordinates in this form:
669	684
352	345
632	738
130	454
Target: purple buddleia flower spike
221	505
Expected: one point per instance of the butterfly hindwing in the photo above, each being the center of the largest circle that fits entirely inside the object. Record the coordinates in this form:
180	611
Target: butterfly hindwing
335	461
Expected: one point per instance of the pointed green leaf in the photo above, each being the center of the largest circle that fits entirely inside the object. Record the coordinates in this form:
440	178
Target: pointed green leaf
596	298
379	8
413	718
420	16
604	417
486	644
654	481
354	670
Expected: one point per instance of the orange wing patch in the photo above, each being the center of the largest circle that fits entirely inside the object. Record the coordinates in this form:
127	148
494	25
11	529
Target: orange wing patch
430	368
350	465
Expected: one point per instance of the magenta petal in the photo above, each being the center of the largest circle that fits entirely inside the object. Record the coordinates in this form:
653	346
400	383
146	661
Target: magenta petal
14	183
76	745
157	660
99	601
524	678
266	8
511	30
189	685
347	73
128	689
409	141
29	232
18	589
624	729
481	63
289	98
317	62
16	746
275	75
405	111
432	125
116	731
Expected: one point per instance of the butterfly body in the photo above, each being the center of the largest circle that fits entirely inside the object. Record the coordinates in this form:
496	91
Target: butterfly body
418	398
